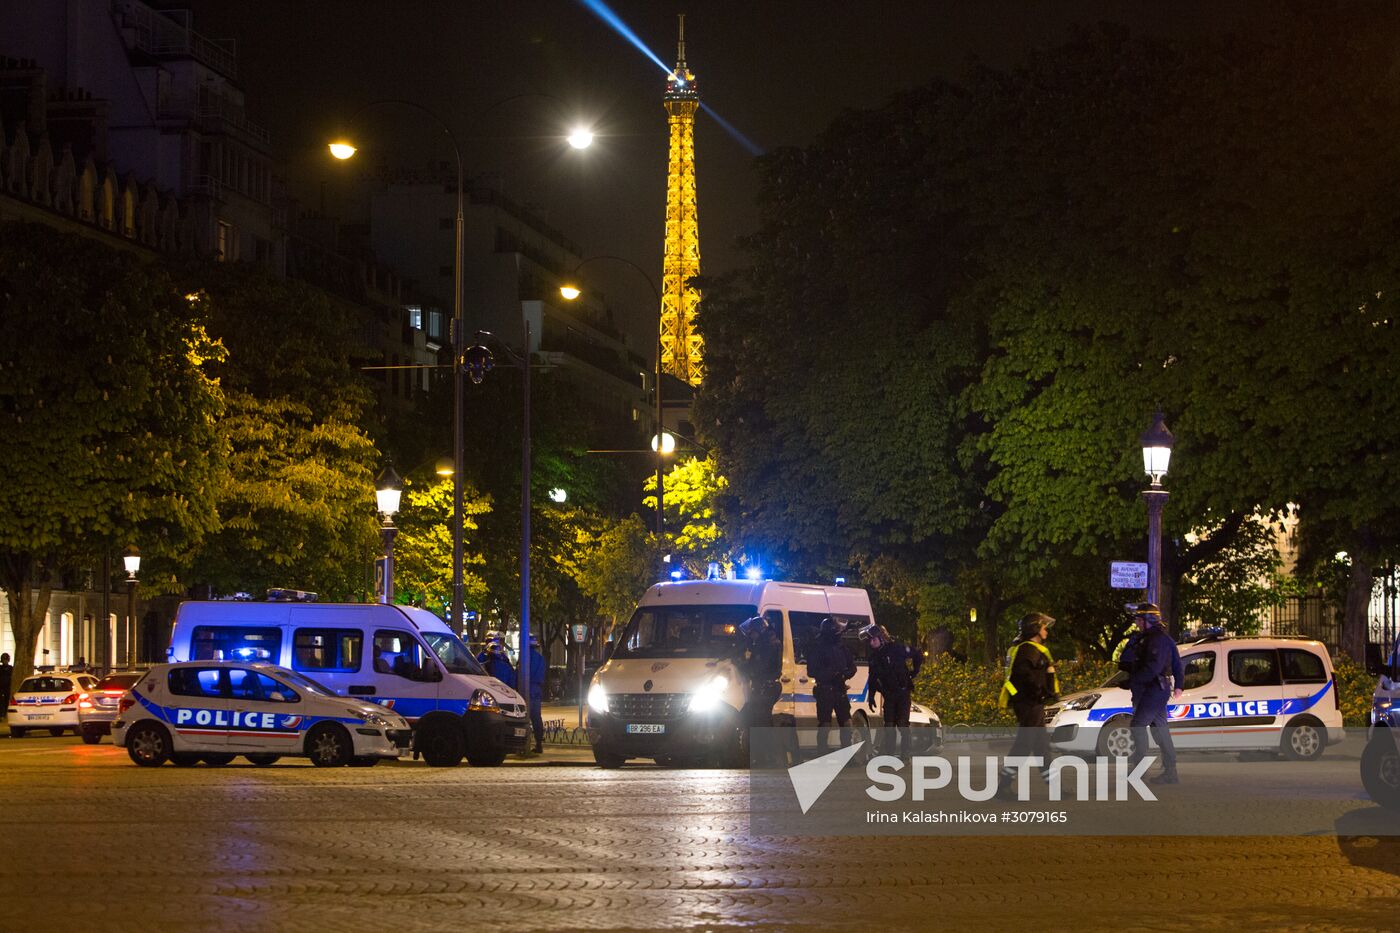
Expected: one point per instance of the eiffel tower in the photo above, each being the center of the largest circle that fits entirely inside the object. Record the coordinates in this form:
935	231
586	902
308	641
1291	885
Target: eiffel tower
681	346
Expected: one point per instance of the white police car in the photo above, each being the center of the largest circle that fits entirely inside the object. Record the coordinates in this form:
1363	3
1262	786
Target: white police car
212	711
1239	694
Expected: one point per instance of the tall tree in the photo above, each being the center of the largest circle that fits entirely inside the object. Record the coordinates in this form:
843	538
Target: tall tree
297	508
108	410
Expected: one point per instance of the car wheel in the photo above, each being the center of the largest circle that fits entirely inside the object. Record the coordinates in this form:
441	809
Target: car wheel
363	761
328	746
1380	769
1116	738
262	761
1303	740
56	732
184	760
90	737
148	744
440	743
607	759
218	760
18	732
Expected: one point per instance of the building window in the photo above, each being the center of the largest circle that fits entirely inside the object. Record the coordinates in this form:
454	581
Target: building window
435	324
225	249
415	316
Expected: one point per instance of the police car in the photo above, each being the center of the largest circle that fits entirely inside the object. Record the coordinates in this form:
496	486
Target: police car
48	701
215	710
1239	694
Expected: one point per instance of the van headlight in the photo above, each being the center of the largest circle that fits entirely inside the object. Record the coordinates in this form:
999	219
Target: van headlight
482	700
710	694
1087	701
597	699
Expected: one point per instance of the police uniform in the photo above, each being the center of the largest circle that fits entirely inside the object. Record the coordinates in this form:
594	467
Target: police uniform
891	677
761	665
1030	683
830	665
1151	659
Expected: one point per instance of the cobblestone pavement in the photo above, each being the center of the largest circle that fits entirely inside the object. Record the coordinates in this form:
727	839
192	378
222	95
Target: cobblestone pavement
92	842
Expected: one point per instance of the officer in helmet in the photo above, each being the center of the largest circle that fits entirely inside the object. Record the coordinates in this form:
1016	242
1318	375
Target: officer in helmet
829	665
892	678
761	665
484	658
1155	672
1030	684
498	663
538	670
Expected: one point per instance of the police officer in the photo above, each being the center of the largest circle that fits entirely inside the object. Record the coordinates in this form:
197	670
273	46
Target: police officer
892	678
1031	682
7	671
484	658
537	674
830	664
1150	658
761	664
498	663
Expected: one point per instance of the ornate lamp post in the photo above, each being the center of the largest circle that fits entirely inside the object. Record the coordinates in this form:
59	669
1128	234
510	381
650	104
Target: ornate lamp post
388	488
1156	454
131	559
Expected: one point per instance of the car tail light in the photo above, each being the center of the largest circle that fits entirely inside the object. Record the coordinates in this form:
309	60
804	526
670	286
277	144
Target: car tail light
125	703
72	698
1336	700
84	701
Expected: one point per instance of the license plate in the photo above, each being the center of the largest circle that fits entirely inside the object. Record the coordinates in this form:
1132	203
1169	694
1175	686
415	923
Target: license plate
41	715
520	732
645	728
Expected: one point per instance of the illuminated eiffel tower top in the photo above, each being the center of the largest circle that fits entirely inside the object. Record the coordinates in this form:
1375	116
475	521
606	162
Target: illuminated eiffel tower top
681	346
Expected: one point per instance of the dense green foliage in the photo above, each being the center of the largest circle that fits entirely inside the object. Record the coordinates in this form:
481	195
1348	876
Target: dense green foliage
108	416
961	310
295	505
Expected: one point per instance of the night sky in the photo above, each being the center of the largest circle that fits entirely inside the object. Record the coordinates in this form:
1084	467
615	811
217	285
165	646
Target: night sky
779	71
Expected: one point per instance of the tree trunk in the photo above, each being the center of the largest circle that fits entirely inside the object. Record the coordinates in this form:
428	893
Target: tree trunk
1356	617
1166	598
28	609
990	614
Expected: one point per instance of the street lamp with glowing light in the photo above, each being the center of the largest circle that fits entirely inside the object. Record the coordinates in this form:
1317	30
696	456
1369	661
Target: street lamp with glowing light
581	137
388	490
342	150
1156	454
131	560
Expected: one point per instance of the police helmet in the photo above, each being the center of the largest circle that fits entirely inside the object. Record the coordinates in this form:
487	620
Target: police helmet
1146	611
877	632
753	626
1031	623
832	627
534	640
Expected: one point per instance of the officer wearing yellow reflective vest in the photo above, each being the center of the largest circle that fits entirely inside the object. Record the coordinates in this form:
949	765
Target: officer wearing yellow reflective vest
1030	684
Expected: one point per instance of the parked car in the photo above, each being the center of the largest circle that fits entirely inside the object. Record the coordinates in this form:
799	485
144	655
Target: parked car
1274	694
211	711
98	707
48	701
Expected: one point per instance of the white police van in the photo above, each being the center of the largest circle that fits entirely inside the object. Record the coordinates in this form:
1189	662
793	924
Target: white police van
670	692
1239	694
400	657
212	711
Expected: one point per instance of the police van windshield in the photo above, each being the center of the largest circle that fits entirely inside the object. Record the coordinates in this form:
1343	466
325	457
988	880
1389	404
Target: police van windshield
452	653
683	631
